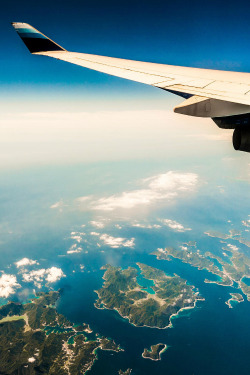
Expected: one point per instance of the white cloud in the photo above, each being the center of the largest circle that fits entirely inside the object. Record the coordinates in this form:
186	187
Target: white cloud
77	238
164	186
95	234
246	223
148	226
8	285
232	247
25	262
58	204
172	181
35	276
184	248
50	275
74	249
97	224
174	225
54	274
116	242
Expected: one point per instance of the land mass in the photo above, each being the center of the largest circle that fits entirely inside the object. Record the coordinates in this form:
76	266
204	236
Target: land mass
230	269
235	297
233	234
122	292
126	372
154	352
36	339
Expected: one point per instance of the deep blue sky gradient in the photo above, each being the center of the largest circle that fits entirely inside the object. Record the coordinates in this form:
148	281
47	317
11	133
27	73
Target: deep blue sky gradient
209	34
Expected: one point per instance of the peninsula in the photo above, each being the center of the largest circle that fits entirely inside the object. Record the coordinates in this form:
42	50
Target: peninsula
35	338
232	267
235	298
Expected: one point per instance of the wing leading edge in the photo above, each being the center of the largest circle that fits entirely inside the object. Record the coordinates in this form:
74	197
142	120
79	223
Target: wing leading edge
210	93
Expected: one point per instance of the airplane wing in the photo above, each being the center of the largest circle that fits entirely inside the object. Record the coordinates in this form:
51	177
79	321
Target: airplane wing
224	96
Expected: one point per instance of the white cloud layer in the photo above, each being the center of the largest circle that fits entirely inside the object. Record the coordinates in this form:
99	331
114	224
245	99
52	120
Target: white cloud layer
71	135
161	187
174	225
116	242
25	262
50	275
8	285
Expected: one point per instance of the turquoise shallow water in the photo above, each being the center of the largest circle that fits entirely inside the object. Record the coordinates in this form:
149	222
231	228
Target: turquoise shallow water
246	280
145	283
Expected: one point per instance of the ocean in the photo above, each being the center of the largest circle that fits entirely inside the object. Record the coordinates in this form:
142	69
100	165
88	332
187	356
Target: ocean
40	211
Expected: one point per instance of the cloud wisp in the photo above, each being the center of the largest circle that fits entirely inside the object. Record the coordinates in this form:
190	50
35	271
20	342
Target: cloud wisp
172	224
74	249
25	262
165	186
116	242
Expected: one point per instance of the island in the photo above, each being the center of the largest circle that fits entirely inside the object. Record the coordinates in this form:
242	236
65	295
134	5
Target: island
230	269
235	298
36	339
126	372
143	305
155	351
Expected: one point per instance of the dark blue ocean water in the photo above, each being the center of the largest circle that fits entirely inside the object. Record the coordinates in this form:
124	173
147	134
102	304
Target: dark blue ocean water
208	339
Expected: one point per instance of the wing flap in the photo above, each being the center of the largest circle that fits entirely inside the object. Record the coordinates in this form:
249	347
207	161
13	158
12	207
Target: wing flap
213	94
206	107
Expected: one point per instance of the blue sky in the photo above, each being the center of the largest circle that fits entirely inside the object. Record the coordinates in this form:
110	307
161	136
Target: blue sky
205	34
46	104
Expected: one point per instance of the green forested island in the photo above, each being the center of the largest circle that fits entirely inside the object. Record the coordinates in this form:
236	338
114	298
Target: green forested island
36	339
231	268
143	306
154	352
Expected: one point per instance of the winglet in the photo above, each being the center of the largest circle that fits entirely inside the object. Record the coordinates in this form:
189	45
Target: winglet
34	40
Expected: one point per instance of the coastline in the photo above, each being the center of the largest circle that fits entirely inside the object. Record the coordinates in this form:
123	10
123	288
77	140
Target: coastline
159	354
172	316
